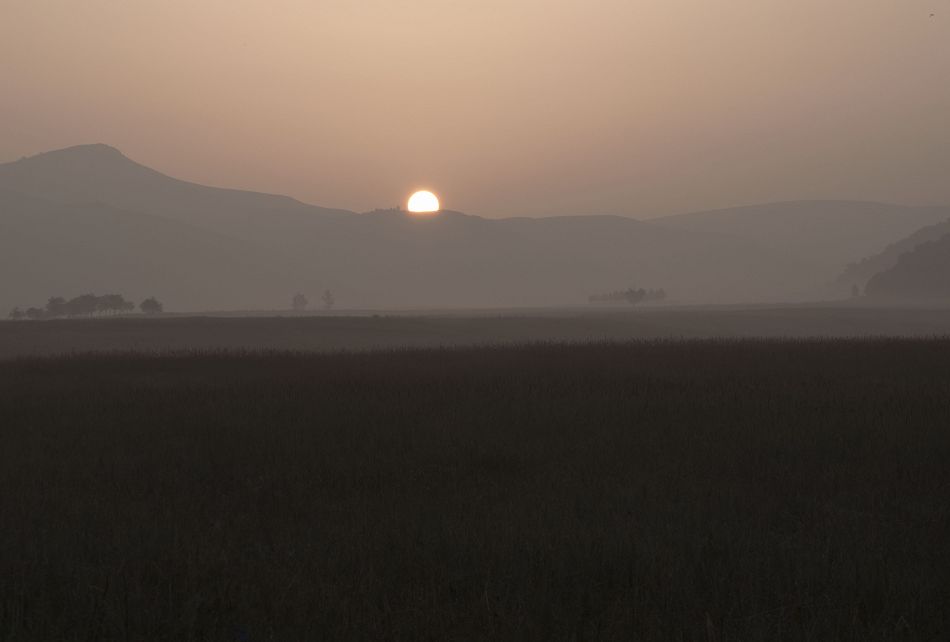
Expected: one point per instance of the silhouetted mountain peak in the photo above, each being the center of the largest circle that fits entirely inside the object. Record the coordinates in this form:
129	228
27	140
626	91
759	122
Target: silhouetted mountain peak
99	173
100	150
83	163
95	152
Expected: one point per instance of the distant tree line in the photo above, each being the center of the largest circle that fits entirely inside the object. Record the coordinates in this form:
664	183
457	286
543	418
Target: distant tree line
299	302
632	296
86	305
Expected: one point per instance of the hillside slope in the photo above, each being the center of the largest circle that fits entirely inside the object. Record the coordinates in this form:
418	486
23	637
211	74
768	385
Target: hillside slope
825	235
861	272
101	174
52	249
456	259
922	274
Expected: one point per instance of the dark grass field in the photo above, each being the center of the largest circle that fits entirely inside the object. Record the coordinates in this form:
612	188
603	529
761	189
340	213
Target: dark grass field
370	331
704	490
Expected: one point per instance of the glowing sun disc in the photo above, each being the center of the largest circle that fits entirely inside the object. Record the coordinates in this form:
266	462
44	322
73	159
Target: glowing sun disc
423	201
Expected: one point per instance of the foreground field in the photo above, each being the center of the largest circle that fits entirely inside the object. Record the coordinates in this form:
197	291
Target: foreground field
368	331
730	490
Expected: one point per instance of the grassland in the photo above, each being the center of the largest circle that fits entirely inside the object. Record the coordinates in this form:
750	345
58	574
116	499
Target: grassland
693	490
329	332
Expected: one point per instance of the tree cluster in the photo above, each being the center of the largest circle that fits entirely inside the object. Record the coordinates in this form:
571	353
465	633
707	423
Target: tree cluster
85	305
633	296
299	302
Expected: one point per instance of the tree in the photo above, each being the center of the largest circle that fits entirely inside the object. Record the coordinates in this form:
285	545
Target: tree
35	314
17	314
56	307
634	297
151	305
328	300
300	302
83	305
112	303
855	291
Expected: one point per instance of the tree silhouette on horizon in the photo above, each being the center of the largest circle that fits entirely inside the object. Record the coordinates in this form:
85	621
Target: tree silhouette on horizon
151	306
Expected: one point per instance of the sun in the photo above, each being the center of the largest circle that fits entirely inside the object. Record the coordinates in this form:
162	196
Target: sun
423	201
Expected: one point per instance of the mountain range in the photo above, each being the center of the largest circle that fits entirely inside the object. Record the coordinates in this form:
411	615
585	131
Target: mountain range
88	219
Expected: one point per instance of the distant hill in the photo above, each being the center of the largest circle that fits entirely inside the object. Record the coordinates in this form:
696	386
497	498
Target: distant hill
861	272
825	235
89	219
91	174
457	259
923	274
49	249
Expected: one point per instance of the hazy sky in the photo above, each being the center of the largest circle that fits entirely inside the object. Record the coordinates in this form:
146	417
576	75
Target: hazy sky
503	107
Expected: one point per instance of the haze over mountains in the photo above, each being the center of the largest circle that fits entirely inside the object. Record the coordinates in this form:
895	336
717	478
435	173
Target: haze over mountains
89	219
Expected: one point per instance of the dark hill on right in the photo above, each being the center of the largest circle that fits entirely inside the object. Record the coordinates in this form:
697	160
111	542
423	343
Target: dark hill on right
825	237
922	274
860	273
